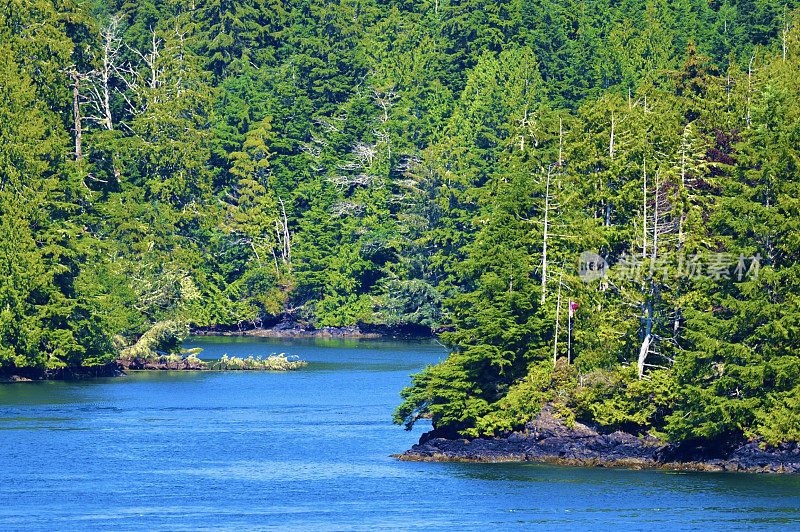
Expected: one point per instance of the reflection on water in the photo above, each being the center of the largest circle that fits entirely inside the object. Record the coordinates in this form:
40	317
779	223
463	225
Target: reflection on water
309	449
647	482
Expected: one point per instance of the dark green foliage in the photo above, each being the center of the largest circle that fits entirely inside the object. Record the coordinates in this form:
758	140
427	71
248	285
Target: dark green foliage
394	163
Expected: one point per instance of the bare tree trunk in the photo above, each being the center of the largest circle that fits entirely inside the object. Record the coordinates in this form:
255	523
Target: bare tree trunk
648	337
275	259
611	156
643	350
286	239
107	120
558	310
282	230
110	35
728	83
544	240
279	235
258	259
611	142
76	111
560	144
683	156
655	221
749	86
684	146
644	210
676	322
784	32
569	334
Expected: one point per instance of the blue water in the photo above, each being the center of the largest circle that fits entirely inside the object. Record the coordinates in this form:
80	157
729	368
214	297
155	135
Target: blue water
310	450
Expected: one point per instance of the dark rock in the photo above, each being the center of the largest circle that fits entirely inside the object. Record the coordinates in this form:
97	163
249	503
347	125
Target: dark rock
285	326
548	439
140	363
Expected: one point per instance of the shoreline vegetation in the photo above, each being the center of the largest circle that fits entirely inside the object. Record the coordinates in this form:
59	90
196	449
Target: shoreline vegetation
157	362
159	348
189	361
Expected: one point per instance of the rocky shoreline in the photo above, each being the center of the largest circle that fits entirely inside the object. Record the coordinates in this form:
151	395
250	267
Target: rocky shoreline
293	329
548	439
136	364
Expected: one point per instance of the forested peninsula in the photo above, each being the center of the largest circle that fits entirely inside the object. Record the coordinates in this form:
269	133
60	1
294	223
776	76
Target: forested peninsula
597	202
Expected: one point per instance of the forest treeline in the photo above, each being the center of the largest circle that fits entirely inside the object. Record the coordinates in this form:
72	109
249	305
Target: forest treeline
441	164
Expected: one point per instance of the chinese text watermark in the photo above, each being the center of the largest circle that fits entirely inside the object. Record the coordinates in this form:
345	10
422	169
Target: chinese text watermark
631	267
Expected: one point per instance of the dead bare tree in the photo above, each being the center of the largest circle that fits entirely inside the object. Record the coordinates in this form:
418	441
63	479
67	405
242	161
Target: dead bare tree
545	228
385	99
345	208
664	223
348	181
364	154
786	29
750	85
284	240
561	284
136	82
99	80
548	207
78	79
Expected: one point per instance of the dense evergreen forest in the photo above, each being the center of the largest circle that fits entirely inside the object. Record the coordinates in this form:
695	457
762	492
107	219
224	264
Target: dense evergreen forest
441	164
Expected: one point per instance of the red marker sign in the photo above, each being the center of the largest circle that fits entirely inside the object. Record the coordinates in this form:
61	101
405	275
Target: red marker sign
573	306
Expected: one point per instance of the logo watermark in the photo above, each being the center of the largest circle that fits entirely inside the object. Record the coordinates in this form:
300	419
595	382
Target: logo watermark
716	266
592	266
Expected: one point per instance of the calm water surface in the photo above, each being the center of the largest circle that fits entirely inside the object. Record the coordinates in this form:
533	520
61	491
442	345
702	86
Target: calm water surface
310	450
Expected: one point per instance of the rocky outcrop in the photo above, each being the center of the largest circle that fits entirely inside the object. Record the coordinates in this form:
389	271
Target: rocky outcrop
159	363
294	329
548	439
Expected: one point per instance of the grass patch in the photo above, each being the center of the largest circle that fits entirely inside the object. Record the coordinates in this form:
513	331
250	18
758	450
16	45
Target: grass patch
279	362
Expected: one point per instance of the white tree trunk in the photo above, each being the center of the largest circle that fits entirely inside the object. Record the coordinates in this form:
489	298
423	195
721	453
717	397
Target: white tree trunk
560	144
558	311
76	111
643	350
544	239
655	222
749	86
284	238
644	210
110	35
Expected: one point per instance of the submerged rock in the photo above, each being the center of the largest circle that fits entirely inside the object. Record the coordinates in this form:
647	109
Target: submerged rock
548	439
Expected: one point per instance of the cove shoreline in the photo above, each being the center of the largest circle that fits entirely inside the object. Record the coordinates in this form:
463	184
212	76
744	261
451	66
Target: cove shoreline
294	329
547	439
281	329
